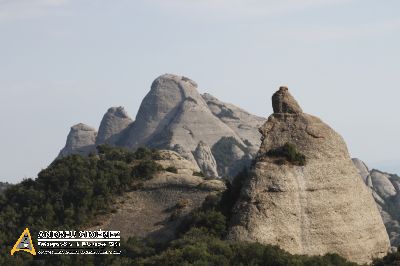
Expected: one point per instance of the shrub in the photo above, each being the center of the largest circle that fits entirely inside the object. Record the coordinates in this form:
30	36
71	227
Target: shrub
171	169
146	169
182	203
212	220
289	153
389	259
198	174
143	153
115	153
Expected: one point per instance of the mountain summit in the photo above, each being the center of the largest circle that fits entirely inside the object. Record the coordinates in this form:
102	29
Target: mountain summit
221	138
304	193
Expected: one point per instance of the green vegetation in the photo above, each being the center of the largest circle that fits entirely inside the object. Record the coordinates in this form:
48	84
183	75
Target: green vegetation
73	190
171	169
391	259
198	174
289	153
146	169
201	242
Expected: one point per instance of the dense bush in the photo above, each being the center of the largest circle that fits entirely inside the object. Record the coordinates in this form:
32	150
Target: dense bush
172	169
391	259
289	153
146	169
198	174
71	192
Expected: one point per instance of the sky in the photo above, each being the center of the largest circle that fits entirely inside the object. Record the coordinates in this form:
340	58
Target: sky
67	61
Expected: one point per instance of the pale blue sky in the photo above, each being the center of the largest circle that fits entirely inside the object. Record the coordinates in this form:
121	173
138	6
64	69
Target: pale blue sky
68	61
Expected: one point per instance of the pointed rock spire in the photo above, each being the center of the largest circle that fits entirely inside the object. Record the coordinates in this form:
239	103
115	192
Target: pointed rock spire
114	122
80	140
316	207
284	102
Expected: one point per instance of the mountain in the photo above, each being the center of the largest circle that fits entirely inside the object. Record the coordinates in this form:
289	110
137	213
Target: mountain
385	189
304	193
175	116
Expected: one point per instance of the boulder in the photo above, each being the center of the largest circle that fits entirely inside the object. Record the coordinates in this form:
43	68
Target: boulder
382	184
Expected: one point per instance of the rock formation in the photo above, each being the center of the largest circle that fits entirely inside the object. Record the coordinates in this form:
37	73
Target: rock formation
81	140
283	102
174	116
205	160
244	124
173	112
385	189
304	193
112	127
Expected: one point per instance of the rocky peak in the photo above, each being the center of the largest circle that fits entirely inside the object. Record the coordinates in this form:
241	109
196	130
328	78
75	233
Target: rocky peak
114	122
314	207
80	140
118	112
283	102
174	115
161	106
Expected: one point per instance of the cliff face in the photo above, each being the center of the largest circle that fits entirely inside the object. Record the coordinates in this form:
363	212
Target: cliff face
385	189
174	116
304	193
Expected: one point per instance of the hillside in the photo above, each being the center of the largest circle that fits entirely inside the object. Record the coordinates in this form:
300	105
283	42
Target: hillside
82	192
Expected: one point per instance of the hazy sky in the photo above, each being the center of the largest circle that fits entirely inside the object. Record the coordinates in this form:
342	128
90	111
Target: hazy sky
68	61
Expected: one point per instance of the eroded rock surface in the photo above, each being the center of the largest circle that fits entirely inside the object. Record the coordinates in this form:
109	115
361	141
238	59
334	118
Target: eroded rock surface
112	126
174	116
385	189
81	140
205	160
318	208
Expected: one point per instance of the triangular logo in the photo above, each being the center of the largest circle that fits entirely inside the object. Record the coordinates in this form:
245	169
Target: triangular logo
24	243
